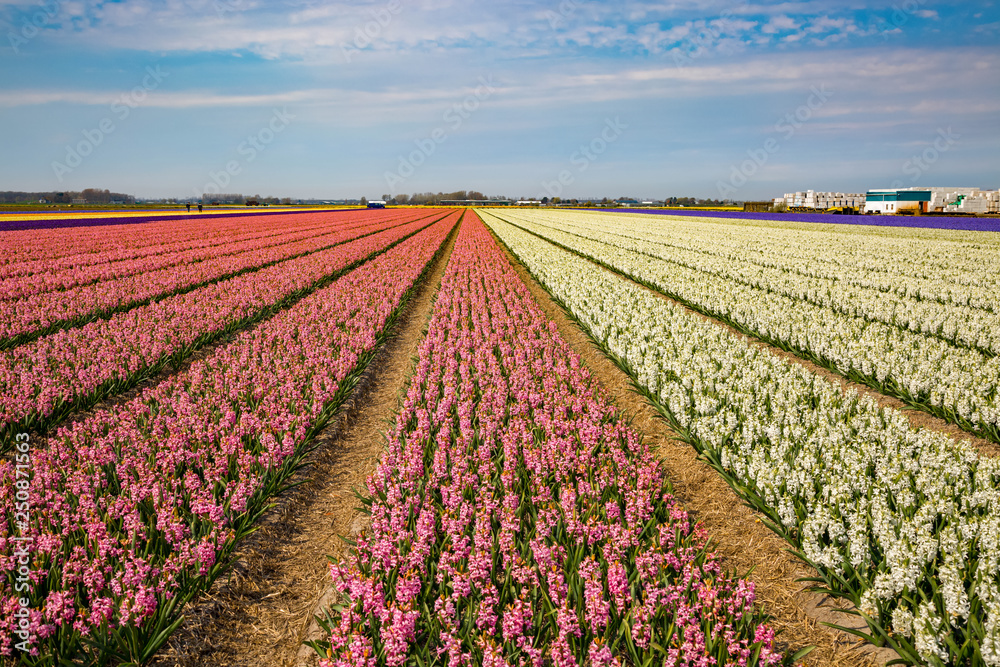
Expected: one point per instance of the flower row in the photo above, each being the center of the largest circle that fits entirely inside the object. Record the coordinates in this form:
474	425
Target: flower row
958	384
37	313
961	325
42	250
52	277
516	519
137	508
928	264
904	523
44	380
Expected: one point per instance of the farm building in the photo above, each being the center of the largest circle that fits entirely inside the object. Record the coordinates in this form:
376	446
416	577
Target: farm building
821	200
941	199
891	201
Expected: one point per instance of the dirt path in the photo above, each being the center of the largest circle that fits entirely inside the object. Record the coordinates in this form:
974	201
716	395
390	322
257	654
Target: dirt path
261	611
740	540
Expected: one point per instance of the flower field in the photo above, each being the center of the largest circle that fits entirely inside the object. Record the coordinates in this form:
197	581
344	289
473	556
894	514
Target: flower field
965	224
134	510
46	379
904	523
40	313
928	341
85	268
165	381
517	520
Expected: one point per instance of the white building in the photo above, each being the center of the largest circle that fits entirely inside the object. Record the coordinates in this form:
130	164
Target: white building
821	200
933	199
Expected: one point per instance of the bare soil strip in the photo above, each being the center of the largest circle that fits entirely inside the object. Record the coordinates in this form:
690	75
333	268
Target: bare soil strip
260	612
740	540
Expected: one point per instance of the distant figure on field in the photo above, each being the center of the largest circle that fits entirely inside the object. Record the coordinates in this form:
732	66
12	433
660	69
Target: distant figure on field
199	208
189	207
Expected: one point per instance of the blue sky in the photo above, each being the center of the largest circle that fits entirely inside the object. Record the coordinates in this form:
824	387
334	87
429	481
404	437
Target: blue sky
304	98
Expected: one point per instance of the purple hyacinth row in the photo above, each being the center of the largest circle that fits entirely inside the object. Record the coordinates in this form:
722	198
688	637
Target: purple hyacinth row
925	222
133	509
516	520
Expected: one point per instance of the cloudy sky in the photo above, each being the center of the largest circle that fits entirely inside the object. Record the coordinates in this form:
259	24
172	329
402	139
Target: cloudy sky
306	98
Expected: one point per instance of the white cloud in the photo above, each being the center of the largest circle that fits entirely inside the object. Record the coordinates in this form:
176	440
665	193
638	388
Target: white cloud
825	24
937	83
318	30
780	23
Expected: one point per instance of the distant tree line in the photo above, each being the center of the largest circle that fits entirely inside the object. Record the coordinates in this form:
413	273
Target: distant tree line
90	195
429	198
693	201
235	198
227	198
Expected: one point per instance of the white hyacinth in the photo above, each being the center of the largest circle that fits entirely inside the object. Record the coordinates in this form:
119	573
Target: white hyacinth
864	491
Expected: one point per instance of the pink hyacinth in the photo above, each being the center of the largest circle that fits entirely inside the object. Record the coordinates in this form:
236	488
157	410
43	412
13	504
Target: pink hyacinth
510	487
134	503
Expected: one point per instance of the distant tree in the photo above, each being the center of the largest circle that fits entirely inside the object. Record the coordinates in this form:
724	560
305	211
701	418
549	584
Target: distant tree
97	196
364	201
